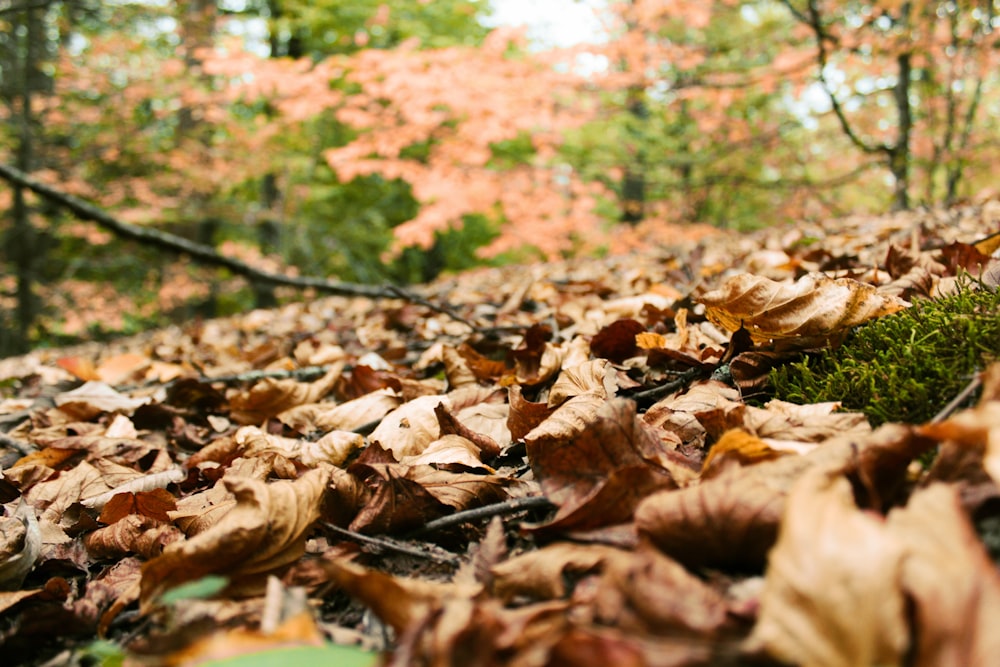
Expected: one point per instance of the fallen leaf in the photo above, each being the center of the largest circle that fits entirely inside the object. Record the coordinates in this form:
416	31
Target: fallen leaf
832	591
264	530
953	586
813	306
594	459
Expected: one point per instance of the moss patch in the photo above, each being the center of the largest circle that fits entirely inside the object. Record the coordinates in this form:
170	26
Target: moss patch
903	367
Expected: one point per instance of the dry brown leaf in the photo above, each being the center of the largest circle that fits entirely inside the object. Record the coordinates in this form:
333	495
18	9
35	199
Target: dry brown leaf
343	417
20	545
832	593
407	430
263	531
596	376
94	398
978	427
946	573
595	460
133	534
737	448
448	449
333	448
813	306
270	396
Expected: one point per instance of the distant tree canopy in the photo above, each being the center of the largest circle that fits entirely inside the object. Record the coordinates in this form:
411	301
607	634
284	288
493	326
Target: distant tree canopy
388	141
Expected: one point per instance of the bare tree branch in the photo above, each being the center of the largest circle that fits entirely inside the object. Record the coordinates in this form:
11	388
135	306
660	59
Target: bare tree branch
198	252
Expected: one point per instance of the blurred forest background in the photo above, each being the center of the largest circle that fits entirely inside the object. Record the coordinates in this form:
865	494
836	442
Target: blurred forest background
387	141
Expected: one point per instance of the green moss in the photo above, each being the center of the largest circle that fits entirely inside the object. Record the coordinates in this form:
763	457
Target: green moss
903	367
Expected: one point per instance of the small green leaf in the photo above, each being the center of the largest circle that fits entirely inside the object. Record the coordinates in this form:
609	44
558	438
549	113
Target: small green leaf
198	589
313	656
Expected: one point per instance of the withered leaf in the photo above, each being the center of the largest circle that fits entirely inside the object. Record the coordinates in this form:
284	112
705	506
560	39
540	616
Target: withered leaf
948	576
270	396
154	504
263	531
813	306
832	594
590	459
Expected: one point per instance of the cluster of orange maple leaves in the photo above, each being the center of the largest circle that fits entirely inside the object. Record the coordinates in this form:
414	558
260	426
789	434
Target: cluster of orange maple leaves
499	480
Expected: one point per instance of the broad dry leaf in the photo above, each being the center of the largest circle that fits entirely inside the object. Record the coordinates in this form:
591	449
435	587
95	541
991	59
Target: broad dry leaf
596	376
813	306
832	595
343	417
333	448
271	396
94	398
978	427
134	534
20	545
263	531
407	430
595	460
948	576
448	449
737	448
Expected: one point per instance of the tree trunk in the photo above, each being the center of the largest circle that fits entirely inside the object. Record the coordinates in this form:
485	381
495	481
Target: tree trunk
899	154
23	244
634	179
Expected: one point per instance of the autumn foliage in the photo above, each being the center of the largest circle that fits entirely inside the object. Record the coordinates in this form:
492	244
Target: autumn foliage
562	467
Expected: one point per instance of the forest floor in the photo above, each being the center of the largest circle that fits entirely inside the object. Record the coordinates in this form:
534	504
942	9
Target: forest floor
573	463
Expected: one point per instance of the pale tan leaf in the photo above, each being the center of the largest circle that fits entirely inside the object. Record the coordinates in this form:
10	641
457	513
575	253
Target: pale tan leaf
94	398
407	430
271	396
20	545
832	596
947	574
448	449
158	480
334	448
343	417
596	376
263	531
978	427
814	305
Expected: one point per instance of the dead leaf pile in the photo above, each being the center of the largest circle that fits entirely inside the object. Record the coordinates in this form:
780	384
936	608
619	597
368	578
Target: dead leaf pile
554	466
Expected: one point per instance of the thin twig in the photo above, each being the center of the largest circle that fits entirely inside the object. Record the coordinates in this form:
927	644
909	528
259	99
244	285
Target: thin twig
21	446
956	402
465	516
656	393
383	543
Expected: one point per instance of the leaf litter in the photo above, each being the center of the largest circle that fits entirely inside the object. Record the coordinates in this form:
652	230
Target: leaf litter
568	463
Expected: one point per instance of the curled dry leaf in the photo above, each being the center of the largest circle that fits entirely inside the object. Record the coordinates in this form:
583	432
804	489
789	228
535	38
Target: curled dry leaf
737	448
813	306
639	590
94	398
448	449
333	448
134	534
20	545
596	376
271	396
595	459
954	588
346	416
263	531
732	520
832	595
977	427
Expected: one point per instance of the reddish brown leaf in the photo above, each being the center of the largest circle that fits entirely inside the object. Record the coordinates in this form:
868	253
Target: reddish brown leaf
592	462
616	341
